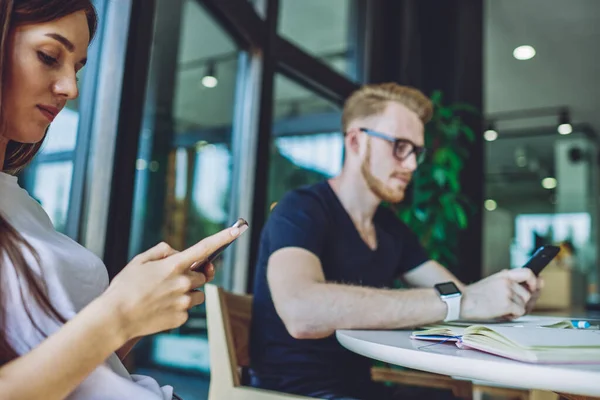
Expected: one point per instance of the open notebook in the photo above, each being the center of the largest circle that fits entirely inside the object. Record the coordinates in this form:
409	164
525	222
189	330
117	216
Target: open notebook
552	342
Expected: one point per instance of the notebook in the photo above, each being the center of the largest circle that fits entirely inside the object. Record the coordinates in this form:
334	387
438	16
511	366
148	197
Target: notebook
531	342
453	331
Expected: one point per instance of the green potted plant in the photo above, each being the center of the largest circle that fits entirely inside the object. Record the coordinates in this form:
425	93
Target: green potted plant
437	209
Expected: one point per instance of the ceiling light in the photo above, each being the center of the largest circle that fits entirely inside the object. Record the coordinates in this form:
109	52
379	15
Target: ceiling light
564	123
565	129
210	79
490	205
490	133
549	183
525	52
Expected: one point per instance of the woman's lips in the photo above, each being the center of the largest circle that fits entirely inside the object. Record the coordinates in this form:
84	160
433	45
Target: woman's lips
48	111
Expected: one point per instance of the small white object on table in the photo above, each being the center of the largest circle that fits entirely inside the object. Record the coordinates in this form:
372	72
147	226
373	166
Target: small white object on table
396	347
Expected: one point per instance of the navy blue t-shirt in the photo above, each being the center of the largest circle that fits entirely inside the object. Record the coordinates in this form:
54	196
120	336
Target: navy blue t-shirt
313	218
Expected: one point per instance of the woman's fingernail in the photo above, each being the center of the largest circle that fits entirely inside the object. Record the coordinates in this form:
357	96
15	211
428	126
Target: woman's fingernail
235	231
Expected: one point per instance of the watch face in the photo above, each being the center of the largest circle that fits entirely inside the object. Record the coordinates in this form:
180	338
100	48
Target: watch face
447	288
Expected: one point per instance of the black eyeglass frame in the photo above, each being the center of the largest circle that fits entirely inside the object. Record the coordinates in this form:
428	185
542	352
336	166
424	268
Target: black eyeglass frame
419	151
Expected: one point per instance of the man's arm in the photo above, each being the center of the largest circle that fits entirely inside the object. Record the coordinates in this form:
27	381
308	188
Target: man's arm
432	272
428	274
311	308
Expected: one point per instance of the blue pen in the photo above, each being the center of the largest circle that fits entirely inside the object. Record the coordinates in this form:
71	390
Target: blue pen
580	324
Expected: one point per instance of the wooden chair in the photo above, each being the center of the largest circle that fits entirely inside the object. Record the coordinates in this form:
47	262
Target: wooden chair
229	317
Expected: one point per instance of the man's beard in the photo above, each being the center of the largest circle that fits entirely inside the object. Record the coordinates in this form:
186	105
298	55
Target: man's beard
380	189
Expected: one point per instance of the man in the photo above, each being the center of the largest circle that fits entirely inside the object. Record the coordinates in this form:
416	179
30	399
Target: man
330	252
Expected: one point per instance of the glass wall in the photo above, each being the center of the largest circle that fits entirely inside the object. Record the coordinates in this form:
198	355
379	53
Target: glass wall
184	163
325	29
306	144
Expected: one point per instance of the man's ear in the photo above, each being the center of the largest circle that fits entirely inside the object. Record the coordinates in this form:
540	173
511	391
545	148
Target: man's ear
352	142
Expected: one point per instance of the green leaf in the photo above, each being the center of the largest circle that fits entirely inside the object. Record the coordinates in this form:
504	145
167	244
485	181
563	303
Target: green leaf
457	163
461	216
420	214
445	112
436	97
440	176
441	156
453	183
450	129
439	232
469	134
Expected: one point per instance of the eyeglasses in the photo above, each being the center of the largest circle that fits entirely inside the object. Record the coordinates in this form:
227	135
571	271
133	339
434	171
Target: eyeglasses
403	148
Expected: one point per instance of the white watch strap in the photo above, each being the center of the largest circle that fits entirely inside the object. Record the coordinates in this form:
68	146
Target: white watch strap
453	303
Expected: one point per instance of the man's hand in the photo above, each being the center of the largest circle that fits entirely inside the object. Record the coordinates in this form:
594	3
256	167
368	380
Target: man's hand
535	296
507	294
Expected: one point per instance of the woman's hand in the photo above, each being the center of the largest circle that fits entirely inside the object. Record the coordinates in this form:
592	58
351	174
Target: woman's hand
154	292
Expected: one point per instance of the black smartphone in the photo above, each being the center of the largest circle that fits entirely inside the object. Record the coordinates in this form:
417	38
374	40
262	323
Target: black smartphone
541	258
240	223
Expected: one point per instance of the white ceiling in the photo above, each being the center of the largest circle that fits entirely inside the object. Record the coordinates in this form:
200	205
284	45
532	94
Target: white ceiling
565	34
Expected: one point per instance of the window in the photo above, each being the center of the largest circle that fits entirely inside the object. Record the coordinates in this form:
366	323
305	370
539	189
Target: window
306	143
183	177
325	29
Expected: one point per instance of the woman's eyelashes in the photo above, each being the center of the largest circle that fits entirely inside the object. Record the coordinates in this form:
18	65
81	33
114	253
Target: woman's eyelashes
51	61
46	59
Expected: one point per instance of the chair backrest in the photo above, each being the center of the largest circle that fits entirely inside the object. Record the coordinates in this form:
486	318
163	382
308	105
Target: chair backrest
228	316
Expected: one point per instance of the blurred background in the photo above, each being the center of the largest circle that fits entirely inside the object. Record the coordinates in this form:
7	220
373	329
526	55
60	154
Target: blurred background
195	112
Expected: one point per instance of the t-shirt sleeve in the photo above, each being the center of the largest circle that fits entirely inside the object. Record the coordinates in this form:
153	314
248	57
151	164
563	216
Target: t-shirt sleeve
298	220
413	253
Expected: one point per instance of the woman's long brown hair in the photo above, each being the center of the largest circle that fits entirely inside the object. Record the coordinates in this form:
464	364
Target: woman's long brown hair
14	13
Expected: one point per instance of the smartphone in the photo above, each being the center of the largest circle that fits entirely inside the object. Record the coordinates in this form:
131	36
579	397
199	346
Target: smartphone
541	258
241	222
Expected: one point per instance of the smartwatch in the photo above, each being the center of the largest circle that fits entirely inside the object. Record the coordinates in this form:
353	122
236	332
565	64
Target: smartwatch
451	295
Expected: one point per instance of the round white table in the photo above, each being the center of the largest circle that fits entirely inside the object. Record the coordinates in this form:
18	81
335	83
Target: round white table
396	347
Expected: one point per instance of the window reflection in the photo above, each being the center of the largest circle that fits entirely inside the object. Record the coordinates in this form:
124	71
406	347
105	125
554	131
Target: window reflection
306	144
62	135
52	189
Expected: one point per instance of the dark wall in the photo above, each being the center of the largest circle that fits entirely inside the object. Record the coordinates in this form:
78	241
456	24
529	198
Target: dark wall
438	45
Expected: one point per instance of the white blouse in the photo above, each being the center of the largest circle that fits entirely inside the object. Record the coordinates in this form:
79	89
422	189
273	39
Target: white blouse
74	276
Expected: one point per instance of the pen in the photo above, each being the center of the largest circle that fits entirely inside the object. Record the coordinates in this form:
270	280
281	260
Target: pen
580	324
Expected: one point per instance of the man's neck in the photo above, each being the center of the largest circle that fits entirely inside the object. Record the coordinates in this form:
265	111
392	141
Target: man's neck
3	145
356	197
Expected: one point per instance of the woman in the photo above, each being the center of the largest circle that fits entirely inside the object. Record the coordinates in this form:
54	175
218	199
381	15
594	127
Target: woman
47	279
